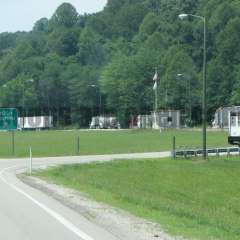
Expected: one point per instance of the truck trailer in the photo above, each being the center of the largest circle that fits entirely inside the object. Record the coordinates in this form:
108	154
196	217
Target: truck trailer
35	122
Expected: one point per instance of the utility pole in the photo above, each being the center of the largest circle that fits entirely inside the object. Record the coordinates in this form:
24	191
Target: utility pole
204	117
204	92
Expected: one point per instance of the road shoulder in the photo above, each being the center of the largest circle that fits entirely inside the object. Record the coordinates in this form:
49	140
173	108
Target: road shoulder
118	222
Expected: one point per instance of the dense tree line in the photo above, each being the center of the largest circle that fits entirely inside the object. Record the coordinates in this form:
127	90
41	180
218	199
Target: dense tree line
63	65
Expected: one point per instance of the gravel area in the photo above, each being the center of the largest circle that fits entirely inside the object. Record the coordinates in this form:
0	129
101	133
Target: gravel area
120	223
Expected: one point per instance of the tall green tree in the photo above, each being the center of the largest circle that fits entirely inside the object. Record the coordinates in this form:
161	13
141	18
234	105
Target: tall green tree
117	51
65	16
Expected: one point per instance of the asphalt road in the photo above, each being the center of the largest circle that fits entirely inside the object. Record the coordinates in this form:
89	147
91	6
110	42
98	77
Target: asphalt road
28	214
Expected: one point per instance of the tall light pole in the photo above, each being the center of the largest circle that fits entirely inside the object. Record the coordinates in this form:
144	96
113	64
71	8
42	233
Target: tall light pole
204	104
4	86
23	98
188	106
100	97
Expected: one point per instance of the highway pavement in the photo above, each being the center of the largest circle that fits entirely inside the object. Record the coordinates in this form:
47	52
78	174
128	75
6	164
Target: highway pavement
29	214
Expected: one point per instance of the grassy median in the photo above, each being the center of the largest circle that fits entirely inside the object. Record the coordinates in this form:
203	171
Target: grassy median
64	143
194	199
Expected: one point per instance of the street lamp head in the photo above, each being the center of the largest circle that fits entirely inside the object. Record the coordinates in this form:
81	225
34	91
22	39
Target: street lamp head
180	75
182	16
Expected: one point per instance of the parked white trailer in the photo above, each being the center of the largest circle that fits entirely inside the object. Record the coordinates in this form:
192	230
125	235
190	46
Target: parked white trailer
104	122
35	122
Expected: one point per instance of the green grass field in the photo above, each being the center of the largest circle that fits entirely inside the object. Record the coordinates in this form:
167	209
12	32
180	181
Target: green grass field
194	199
64	143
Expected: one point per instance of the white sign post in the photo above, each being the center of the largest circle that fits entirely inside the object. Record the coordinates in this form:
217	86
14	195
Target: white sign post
30	161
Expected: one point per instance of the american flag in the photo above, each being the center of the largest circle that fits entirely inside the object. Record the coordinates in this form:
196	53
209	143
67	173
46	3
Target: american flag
155	79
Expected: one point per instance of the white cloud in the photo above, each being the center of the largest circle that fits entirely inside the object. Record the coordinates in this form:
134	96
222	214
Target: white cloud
20	15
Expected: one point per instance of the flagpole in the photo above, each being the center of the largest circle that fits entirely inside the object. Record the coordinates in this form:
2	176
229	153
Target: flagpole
155	79
156	99
156	106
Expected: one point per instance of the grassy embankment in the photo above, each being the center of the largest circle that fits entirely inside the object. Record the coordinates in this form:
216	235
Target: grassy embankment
63	143
194	199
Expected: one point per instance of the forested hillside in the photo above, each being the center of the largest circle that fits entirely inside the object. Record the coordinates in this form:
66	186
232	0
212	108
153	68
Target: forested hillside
63	63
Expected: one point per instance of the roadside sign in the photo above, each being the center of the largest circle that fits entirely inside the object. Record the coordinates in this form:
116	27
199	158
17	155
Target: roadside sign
8	119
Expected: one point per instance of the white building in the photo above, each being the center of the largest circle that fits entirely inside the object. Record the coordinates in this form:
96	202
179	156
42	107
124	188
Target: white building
221	117
160	120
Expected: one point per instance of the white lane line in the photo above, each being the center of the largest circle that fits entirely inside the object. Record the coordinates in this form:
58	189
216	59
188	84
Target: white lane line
52	213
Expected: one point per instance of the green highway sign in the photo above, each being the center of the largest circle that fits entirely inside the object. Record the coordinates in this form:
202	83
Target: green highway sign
8	119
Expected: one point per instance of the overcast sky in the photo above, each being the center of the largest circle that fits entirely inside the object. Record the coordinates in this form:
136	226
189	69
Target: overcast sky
20	15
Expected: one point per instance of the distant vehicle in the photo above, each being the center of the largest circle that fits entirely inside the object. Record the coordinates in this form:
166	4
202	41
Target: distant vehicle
104	122
35	123
234	128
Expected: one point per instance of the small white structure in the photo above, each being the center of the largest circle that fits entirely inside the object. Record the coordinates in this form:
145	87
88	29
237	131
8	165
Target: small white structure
36	122
160	120
167	119
104	122
144	121
221	117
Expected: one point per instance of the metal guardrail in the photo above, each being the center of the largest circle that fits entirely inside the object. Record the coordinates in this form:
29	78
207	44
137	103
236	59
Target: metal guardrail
212	151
